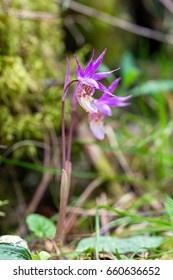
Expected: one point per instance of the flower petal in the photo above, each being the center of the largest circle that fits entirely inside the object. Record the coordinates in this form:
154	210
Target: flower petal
88	68
103	108
101	75
98	61
101	87
112	87
120	104
79	72
91	82
67	78
111	99
97	129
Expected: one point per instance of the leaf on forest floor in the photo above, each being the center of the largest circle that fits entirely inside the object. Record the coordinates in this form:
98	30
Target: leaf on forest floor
41	226
122	245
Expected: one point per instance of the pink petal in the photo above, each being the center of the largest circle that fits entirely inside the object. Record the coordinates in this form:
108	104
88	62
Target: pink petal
112	87
104	108
67	78
89	66
97	129
89	81
101	75
98	61
79	72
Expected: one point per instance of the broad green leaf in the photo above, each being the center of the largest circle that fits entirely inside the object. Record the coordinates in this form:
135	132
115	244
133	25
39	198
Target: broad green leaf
41	226
44	255
122	245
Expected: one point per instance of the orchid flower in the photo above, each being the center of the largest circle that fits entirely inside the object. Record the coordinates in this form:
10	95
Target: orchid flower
104	105
88	82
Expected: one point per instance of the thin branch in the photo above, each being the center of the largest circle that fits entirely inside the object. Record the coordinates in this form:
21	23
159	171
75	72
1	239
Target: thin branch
23	143
55	149
45	180
3	146
119	23
21	204
70	221
168	4
30	15
104	17
104	219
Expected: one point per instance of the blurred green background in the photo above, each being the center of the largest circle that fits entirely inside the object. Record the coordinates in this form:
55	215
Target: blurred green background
135	160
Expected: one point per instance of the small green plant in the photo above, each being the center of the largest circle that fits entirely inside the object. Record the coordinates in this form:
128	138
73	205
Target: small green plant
41	226
149	239
87	82
42	255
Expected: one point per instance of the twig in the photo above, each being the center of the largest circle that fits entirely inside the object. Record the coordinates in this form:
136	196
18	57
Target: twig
3	146
91	212
104	17
30	15
104	220
55	149
168	4
45	180
99	160
120	23
23	143
70	221
21	204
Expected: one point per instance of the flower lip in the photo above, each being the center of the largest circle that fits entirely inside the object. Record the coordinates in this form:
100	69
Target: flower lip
104	104
97	126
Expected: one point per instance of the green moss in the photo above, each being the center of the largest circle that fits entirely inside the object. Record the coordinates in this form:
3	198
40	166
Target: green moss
31	52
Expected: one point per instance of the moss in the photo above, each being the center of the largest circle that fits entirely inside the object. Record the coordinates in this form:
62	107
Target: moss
31	52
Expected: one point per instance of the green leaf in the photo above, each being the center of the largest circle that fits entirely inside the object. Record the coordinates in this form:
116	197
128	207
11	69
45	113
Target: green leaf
122	245
130	73
41	226
153	87
44	255
35	257
169	207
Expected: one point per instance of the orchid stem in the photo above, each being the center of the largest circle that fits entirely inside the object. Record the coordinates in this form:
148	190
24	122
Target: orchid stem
63	135
65	177
62	208
64	182
69	147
